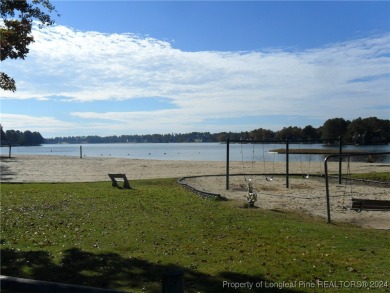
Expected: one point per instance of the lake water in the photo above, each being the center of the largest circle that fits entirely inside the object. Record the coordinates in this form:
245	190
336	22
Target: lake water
187	151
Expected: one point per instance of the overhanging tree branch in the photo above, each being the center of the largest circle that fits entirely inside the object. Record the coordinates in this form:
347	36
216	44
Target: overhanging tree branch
15	30
7	83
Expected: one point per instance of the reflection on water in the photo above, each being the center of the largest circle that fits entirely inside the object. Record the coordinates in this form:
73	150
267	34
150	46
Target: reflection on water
195	151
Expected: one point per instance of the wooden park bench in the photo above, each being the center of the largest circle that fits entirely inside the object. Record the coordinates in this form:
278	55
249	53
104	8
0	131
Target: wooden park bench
370	205
126	184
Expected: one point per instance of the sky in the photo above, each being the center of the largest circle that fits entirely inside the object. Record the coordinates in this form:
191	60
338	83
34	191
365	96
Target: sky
145	67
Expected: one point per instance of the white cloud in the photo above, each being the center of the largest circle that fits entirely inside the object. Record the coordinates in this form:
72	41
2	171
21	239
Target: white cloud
27	122
87	66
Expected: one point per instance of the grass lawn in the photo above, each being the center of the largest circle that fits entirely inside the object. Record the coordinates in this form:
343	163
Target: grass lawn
374	176
95	235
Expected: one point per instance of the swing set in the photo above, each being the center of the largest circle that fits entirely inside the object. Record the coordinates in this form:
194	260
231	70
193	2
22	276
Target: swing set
357	204
269	177
228	141
252	196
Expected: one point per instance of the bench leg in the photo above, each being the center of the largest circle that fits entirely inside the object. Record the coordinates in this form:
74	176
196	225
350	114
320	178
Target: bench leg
126	184
114	183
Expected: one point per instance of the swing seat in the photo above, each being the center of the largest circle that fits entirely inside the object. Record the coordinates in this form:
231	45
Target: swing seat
370	205
251	198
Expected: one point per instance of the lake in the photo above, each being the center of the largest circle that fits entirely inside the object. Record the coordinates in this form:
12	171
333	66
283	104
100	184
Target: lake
187	151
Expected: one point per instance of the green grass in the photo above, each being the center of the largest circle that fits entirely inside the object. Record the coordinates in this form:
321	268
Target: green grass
95	235
374	176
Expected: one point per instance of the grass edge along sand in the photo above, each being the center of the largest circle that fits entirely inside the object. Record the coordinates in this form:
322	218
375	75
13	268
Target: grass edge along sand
95	235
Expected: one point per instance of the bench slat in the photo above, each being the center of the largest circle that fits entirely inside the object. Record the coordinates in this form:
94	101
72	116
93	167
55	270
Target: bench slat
370	204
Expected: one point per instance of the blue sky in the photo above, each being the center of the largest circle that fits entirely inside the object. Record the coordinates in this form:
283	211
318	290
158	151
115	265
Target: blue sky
128	67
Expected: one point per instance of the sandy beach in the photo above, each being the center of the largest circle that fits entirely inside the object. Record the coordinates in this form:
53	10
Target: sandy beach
304	195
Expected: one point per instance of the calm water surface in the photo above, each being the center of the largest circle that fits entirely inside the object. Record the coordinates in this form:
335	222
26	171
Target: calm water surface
186	151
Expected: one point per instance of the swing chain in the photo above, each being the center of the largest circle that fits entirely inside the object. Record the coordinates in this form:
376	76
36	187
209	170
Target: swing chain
348	180
270	178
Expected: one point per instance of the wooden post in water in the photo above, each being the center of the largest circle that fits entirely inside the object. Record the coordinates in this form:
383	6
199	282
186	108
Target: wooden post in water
81	152
9	151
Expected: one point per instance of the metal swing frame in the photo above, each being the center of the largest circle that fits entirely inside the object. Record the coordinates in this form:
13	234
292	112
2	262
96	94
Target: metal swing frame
286	143
357	204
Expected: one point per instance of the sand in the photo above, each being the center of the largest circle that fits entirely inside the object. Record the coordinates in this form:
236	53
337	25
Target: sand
303	195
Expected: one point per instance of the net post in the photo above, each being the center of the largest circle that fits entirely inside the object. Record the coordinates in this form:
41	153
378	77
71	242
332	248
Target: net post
340	158
327	188
287	164
227	163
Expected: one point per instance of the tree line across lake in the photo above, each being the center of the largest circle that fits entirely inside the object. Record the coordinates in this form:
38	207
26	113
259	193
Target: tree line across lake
358	131
16	138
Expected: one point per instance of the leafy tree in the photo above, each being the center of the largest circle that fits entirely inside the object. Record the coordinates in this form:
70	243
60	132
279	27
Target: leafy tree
310	133
15	30
28	137
357	131
37	138
2	133
333	128
222	136
14	137
262	134
3	138
291	133
374	131
368	131
32	138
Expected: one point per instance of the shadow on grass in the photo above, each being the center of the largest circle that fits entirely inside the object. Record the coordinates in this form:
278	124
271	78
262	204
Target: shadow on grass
111	271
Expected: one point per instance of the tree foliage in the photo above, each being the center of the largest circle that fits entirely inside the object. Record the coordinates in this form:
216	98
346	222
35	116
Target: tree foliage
360	131
2	133
334	128
368	131
15	30
16	137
